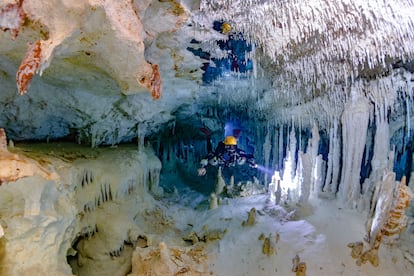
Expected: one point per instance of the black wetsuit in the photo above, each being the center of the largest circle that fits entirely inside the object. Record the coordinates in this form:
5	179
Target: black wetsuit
227	155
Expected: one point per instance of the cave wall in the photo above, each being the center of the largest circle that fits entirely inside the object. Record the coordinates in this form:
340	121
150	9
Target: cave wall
88	214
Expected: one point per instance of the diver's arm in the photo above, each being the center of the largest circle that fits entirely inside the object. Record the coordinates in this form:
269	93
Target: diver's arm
219	149
246	157
201	171
209	159
203	164
252	162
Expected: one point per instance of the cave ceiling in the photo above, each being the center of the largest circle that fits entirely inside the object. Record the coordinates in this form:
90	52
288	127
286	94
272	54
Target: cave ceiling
106	71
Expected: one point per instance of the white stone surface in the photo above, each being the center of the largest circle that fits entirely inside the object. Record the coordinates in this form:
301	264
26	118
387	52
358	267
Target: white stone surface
314	62
88	212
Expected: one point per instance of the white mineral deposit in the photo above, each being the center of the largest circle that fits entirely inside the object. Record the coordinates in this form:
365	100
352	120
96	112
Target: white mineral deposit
206	137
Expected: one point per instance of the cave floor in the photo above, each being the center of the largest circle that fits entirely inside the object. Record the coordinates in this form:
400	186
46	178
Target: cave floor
318	232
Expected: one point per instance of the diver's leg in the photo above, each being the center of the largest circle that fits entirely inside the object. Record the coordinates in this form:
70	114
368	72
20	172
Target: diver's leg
209	145
208	139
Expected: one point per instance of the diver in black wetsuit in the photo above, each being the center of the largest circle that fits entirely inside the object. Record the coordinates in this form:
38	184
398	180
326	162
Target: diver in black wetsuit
226	154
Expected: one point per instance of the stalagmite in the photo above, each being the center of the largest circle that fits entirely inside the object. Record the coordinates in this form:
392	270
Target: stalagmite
251	218
213	201
220	184
290	165
268	247
275	190
386	219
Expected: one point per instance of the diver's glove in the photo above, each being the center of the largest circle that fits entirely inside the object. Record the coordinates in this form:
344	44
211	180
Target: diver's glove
213	161
201	171
241	161
252	164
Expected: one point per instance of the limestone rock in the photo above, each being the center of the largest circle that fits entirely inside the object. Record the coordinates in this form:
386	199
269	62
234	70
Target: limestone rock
213	201
357	249
172	260
193	238
251	219
220	184
268	247
15	166
301	269
86	217
213	234
3	140
298	266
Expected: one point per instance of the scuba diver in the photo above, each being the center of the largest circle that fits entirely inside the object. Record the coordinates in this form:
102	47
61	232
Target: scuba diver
226	154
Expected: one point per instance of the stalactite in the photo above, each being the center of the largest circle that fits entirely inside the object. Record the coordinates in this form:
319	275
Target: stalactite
408	107
380	160
106	196
280	148
94	136
275	148
86	178
153	180
381	122
28	66
309	25
141	132
131	187
336	151
266	152
319	166
328	180
355	117
155	82
313	147
289	171
304	175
